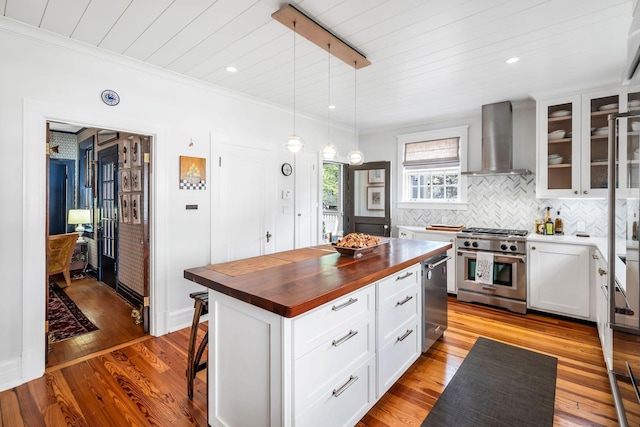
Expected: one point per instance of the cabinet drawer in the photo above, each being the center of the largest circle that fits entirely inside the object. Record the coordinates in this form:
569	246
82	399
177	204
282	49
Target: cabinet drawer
396	357
405	306
396	283
405	234
344	401
343	352
317	326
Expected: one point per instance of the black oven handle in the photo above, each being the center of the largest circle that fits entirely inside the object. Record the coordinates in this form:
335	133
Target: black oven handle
521	258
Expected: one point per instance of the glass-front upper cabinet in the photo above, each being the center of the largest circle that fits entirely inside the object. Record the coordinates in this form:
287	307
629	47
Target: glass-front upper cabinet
596	107
558	166
631	155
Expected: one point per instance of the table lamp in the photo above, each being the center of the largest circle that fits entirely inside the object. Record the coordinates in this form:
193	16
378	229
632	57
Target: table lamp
80	217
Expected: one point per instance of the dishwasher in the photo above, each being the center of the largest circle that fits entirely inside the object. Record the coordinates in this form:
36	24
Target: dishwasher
434	299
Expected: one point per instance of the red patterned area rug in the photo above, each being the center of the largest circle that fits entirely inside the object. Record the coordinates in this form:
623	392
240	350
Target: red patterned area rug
66	320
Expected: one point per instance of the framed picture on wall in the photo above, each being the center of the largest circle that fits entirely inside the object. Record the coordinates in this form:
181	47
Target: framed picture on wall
136	180
136	214
136	152
124	208
375	198
124	154
193	173
125	181
376	176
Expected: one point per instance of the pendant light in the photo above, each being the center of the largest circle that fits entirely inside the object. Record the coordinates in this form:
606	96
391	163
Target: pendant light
355	157
329	151
295	144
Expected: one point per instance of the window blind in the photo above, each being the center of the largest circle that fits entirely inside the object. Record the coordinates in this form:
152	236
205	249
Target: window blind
433	153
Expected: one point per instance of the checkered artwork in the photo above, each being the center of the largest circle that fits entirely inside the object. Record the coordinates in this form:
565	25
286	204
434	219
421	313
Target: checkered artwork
193	173
186	185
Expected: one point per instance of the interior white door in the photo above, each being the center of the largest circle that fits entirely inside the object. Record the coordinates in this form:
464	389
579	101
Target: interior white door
306	200
243	204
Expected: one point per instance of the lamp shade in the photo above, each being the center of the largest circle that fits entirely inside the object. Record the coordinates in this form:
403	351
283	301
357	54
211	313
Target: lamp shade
79	216
329	152
356	157
294	144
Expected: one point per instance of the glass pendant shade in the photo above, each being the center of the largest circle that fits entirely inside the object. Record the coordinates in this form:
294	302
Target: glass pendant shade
295	144
356	157
329	152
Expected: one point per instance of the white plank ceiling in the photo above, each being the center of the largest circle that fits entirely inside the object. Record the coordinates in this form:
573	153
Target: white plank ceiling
430	58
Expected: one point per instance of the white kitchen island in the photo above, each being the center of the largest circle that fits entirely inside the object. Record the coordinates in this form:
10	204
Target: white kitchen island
308	337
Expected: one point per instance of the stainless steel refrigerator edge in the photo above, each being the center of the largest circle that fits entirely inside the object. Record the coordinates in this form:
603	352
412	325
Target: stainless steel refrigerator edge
624	302
434	301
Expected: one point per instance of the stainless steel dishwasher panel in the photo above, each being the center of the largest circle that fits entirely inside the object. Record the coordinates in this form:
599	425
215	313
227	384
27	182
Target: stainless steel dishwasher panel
434	291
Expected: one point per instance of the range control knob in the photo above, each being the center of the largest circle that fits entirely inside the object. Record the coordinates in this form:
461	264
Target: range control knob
503	246
514	248
466	243
474	244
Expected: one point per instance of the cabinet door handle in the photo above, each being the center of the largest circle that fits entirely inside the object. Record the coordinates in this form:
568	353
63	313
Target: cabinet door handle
533	248
404	276
345	338
337	392
575	192
405	335
585	192
595	256
602	272
346	304
404	301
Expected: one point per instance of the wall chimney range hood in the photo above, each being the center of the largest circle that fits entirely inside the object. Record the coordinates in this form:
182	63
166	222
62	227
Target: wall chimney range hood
497	141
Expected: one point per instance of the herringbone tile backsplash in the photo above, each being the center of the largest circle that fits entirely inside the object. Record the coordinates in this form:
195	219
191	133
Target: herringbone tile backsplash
510	202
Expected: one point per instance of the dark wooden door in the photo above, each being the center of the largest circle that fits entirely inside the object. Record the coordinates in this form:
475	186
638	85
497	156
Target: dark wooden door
369	204
107	188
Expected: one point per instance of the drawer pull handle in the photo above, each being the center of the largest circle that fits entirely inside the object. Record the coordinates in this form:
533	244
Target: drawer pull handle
338	391
345	338
404	301
405	335
404	276
346	304
602	272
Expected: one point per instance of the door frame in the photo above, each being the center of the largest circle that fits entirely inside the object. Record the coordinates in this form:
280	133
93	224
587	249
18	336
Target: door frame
351	218
34	274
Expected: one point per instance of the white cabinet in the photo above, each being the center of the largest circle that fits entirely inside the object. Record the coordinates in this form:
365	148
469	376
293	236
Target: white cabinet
399	340
559	279
573	130
599	277
325	367
419	233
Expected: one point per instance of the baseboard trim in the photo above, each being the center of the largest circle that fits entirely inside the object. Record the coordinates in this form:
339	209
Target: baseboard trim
129	295
10	374
183	318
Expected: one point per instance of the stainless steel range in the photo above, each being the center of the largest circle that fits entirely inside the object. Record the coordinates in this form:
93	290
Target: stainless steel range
506	253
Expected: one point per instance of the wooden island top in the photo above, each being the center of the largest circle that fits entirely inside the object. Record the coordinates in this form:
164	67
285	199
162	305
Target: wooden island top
293	282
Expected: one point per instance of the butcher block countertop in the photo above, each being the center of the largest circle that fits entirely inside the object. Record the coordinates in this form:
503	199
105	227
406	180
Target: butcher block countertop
293	282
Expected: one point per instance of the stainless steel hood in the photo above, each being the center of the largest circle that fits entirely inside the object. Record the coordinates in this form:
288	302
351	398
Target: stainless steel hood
497	141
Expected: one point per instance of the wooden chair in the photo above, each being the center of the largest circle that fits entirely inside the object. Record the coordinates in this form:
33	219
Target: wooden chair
194	356
59	252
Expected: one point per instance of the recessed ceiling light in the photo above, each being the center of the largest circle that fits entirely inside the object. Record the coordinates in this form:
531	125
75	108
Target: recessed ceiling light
332	107
231	69
512	60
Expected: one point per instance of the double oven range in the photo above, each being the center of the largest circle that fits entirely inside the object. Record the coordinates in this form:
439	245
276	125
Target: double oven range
508	248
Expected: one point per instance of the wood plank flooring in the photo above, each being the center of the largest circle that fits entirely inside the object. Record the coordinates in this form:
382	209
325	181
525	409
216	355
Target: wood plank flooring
145	383
109	312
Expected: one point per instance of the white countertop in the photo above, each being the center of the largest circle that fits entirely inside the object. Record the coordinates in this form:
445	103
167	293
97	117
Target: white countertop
417	229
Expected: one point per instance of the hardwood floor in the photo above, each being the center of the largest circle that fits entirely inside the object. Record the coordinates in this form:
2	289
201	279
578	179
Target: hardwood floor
110	313
145	384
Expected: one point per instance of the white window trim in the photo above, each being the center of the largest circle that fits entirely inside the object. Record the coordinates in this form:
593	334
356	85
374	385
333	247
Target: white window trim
461	132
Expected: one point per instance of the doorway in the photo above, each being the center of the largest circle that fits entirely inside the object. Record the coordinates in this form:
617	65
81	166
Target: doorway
114	302
333	201
369	199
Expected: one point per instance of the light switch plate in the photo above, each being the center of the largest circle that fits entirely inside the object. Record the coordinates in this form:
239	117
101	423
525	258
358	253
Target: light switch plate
580	227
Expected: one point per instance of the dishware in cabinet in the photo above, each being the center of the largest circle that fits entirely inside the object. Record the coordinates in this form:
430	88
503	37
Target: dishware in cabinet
596	107
630	157
559	137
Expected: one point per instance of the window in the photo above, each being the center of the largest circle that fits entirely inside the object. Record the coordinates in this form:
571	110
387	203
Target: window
432	165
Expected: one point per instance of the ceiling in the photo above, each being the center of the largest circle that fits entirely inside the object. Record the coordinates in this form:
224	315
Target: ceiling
430	58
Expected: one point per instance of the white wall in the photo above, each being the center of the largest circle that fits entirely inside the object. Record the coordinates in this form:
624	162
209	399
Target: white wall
48	77
383	145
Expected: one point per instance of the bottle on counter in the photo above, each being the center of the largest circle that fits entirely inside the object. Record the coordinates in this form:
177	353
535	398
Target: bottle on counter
548	223
559	226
